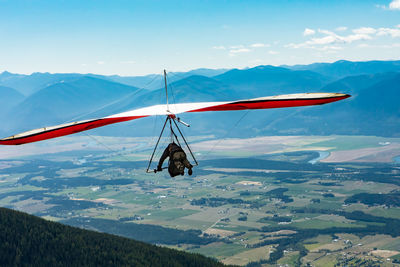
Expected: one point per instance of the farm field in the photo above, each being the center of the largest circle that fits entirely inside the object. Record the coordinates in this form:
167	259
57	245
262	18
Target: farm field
262	203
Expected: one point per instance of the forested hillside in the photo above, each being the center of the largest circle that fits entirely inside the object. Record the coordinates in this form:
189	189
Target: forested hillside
27	240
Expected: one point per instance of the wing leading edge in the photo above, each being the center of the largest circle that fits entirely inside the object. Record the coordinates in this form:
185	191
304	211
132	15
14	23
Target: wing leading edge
281	101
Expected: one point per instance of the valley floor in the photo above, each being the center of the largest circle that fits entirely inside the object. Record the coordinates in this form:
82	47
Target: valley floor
249	200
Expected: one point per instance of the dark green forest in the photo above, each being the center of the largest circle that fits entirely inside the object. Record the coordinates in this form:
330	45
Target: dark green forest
26	240
390	200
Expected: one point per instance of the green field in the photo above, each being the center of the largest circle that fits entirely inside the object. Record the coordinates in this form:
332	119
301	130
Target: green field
291	200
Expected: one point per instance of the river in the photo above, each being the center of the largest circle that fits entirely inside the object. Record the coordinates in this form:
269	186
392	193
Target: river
322	155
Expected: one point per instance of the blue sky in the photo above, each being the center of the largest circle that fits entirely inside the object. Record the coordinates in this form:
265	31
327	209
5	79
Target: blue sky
140	37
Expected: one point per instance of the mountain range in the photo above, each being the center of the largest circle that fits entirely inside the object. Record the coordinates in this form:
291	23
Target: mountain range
43	99
29	84
343	68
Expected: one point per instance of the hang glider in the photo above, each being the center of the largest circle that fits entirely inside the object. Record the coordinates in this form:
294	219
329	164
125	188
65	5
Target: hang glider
280	101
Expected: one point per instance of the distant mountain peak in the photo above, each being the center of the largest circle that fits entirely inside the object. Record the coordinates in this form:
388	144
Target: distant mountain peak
266	67
341	61
6	75
196	78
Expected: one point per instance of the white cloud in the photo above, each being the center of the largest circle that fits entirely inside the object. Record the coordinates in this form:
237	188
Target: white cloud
326	32
322	41
308	32
333	38
365	30
219	47
388	31
271	52
330	42
258	45
356	37
394	5
341	29
330	47
236	46
292	45
239	50
100	62
385	46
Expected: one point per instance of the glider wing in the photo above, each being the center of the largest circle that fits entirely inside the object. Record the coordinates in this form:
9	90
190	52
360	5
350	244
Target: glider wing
281	101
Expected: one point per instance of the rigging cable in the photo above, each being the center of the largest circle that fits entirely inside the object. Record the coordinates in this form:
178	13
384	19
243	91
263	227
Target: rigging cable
223	138
115	101
194	84
156	118
155	148
109	104
229	131
107	147
180	132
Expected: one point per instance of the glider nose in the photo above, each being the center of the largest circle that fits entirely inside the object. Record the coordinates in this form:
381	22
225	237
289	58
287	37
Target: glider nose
343	96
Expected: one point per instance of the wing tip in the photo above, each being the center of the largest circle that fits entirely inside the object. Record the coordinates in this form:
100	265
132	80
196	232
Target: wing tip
343	95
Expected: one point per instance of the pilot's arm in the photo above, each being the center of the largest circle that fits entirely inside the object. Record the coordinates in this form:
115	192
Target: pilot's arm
163	157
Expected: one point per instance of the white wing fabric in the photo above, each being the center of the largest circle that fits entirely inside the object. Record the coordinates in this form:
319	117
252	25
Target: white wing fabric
280	101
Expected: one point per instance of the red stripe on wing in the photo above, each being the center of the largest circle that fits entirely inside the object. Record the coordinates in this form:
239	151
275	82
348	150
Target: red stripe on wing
66	130
274	103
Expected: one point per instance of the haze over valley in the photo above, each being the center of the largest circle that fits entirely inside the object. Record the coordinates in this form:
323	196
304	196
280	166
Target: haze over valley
309	185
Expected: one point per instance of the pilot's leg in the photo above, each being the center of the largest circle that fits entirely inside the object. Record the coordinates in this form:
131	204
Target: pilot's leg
186	163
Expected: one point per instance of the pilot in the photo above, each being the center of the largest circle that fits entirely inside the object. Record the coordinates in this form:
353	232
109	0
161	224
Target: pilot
177	160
